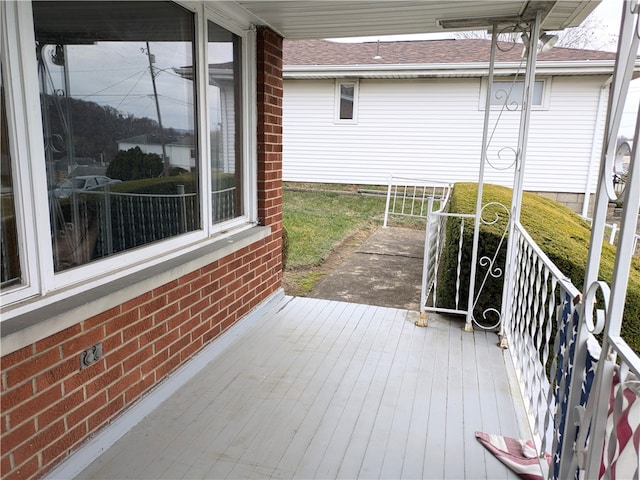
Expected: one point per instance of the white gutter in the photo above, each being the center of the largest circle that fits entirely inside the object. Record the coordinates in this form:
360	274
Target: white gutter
594	142
589	67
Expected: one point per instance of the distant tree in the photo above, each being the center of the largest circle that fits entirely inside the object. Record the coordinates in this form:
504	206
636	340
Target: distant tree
587	36
134	164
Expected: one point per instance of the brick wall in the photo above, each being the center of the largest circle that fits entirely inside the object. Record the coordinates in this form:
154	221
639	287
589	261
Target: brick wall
50	405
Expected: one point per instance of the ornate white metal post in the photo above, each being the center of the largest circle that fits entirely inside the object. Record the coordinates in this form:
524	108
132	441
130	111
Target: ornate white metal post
587	455
468	327
521	154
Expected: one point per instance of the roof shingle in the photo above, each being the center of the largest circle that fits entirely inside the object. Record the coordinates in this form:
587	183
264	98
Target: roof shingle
323	52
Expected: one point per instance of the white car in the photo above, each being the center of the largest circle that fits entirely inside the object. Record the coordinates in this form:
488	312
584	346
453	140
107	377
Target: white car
83	183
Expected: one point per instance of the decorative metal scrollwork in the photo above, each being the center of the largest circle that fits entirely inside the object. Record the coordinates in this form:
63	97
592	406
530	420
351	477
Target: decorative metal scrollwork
492	213
589	302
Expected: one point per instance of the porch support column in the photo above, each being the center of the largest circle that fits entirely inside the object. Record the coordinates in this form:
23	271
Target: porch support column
468	326
518	180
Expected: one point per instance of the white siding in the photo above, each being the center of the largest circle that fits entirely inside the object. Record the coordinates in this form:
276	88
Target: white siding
432	128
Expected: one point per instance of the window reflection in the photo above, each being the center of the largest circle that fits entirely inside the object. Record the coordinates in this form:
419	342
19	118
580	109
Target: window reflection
119	125
224	57
9	251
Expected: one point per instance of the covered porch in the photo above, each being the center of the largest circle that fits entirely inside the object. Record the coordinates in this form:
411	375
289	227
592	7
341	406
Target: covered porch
310	388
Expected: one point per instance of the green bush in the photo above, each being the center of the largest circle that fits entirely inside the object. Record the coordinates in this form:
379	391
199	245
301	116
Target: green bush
562	234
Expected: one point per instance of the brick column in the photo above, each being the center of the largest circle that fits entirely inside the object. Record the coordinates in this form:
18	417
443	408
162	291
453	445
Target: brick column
269	139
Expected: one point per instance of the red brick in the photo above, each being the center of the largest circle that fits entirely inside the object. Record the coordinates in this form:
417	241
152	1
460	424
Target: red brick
102	382
26	470
30	368
174	349
58	338
59	409
57	374
13	397
188	278
164	289
84	376
16	357
126	381
86	409
116	324
140	387
154	363
101	318
134	303
166	340
149	308
117	355
189	300
80	343
138	358
164	313
178	293
63	444
17	436
138	328
175	322
5	465
33	407
166	367
211	334
108	412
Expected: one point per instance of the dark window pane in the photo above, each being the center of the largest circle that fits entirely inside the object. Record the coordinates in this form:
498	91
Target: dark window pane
347	92
225	103
119	125
9	250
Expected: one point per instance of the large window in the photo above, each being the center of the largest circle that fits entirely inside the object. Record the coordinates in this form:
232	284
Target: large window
119	125
119	147
9	251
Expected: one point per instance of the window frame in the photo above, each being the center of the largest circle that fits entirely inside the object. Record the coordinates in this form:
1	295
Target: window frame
338	100
18	57
546	92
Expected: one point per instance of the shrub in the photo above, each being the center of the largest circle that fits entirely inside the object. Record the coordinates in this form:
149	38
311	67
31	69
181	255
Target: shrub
562	234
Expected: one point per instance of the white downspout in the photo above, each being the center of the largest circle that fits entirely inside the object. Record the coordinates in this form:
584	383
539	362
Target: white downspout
594	145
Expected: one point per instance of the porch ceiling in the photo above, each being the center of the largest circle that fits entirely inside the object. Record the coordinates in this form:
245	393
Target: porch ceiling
298	19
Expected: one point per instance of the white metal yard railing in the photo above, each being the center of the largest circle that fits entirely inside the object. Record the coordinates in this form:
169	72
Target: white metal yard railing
409	197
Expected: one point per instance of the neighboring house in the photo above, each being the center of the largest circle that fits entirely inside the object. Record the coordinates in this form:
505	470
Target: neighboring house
360	112
181	151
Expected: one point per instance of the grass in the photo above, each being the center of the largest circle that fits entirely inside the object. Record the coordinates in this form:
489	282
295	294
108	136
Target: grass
316	221
321	219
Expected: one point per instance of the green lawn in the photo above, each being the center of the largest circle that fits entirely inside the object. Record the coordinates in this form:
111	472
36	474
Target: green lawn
316	221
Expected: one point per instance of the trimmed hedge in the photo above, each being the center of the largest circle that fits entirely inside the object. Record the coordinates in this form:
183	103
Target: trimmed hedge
562	234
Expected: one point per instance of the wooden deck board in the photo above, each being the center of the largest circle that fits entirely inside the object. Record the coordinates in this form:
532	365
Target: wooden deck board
323	389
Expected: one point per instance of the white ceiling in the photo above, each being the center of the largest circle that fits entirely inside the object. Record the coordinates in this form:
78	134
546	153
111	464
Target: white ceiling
298	19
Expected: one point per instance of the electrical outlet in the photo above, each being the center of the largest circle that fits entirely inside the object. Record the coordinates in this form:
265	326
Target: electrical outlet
91	355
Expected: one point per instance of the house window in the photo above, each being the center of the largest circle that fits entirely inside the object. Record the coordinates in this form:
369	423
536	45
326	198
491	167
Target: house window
225	105
120	167
346	101
511	93
105	73
10	255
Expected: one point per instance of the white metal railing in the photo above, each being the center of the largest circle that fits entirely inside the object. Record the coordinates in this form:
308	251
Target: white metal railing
541	296
409	197
551	357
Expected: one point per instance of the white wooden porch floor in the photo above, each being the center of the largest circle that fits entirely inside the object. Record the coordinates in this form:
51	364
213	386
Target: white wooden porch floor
324	389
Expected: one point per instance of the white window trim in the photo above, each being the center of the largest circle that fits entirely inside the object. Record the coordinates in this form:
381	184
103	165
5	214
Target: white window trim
356	95
546	93
23	109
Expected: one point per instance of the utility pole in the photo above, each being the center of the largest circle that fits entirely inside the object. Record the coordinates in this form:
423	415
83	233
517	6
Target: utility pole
165	159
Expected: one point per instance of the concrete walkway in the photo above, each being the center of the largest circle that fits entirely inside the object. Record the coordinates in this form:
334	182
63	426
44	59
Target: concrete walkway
386	270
